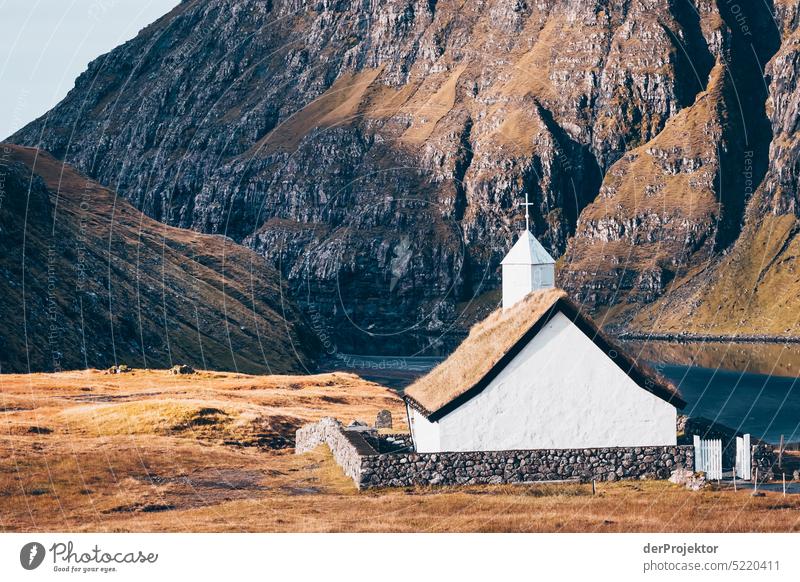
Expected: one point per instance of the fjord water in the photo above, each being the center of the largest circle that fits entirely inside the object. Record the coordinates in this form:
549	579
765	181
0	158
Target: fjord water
749	387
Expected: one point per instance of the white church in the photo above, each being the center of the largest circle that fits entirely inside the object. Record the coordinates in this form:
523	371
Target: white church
539	374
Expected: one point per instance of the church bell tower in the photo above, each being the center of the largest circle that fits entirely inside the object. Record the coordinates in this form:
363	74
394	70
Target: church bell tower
527	267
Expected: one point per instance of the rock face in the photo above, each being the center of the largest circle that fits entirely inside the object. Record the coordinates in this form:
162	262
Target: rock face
376	152
87	281
754	286
674	203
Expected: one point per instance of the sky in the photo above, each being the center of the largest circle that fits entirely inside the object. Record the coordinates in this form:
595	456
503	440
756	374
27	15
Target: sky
46	44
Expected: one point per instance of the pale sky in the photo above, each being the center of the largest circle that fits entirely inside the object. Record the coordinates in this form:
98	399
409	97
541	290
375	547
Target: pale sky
46	44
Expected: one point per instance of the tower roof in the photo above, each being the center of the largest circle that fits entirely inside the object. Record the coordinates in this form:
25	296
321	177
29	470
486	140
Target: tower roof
528	251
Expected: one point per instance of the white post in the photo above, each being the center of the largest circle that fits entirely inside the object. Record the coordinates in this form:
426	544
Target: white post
698	455
748	457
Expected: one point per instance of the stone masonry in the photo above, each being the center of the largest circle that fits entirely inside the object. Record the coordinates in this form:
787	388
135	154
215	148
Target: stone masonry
368	468
347	446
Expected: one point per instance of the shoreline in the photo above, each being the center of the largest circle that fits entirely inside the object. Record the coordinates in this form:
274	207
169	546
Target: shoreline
683	338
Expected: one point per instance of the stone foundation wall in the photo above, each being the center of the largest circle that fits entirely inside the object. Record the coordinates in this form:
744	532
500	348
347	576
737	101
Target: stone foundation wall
494	467
368	468
348	447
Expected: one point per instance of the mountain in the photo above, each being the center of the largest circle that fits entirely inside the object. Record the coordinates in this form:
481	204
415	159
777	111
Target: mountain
755	284
89	281
376	153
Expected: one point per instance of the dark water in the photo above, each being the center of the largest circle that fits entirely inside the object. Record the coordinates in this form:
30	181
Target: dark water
394	372
765	406
749	387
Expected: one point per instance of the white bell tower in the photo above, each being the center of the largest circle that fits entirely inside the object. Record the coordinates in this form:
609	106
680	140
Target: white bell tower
527	267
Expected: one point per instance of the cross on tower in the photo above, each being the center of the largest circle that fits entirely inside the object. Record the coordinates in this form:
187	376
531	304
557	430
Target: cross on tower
527	206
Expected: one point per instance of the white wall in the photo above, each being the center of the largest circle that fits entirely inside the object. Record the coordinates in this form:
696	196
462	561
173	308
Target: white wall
560	392
519	280
424	432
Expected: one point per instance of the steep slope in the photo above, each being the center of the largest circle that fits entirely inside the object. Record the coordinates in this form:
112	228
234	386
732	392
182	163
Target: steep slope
89	281
754	287
377	152
670	207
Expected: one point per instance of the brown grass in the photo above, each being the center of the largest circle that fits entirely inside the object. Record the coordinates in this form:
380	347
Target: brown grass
428	113
487	343
128	462
144	293
756	283
519	129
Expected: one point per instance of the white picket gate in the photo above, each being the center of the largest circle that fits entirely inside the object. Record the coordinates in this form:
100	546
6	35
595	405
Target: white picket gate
708	457
744	458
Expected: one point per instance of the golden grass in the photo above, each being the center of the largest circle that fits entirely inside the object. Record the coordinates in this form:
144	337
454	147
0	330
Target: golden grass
161	486
427	114
487	343
756	283
157	478
152	401
159	417
519	129
383	101
531	72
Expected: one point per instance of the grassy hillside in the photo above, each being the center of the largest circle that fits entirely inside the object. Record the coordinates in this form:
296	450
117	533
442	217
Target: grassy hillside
86	280
753	290
147	451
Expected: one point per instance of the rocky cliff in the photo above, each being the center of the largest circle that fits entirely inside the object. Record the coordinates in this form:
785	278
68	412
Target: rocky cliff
87	281
671	206
377	152
754	285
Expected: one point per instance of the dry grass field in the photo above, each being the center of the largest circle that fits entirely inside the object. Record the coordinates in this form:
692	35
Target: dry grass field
148	451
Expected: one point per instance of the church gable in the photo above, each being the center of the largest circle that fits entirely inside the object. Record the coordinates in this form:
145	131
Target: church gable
561	391
493	344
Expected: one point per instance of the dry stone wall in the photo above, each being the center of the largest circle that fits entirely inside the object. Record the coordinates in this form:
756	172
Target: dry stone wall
494	467
347	446
361	461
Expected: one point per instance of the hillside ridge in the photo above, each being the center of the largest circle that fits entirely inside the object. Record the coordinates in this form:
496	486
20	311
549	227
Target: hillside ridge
377	154
88	281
